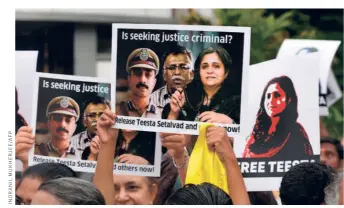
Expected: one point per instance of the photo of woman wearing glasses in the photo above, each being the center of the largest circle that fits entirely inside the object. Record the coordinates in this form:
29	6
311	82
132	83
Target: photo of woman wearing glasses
206	98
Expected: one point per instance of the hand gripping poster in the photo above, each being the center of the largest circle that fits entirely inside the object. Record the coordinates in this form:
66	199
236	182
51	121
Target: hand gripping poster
178	76
280	124
327	49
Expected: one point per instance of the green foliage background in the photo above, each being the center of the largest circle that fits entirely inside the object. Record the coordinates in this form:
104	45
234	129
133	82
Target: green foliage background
269	29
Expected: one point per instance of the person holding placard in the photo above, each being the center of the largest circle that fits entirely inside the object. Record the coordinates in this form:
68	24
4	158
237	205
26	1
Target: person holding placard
118	189
217	141
276	133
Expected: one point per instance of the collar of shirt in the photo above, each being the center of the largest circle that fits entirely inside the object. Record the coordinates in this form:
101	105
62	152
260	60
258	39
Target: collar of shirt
88	137
150	108
70	150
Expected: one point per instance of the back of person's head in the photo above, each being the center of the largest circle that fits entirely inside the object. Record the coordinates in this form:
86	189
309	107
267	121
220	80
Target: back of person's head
262	198
306	184
72	191
203	194
48	171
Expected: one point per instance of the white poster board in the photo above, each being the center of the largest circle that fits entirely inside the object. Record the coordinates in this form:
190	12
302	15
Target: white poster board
25	63
283	92
126	38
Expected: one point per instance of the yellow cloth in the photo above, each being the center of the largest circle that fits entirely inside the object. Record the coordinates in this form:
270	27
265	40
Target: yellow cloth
204	165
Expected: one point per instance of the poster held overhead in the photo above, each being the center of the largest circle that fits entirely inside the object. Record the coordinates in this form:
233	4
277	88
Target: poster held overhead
170	69
280	120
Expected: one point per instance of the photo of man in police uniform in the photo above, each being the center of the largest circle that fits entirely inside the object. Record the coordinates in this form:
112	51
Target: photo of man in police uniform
62	112
137	147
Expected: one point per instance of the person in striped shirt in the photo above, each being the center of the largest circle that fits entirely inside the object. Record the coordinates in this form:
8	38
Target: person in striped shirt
177	73
93	109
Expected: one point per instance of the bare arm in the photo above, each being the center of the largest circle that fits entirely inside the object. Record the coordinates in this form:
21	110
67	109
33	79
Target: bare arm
179	161
218	141
235	181
103	178
175	143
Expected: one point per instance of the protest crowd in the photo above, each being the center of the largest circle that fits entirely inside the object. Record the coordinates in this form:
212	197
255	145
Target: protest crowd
49	183
206	99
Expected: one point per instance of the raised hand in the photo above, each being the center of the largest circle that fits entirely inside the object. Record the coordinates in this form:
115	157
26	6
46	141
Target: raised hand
219	142
94	148
174	143
177	101
104	127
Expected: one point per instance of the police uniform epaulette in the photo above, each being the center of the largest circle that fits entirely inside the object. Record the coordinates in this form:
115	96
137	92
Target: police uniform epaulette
130	106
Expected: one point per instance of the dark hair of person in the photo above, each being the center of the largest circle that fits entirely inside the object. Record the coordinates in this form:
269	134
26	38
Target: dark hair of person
48	171
96	100
262	198
305	184
287	118
334	142
175	50
203	194
73	191
195	92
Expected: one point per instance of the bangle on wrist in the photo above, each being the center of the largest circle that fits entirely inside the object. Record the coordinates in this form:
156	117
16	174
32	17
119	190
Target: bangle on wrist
186	155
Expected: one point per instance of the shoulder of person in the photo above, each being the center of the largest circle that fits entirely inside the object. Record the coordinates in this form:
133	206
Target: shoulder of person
77	136
233	100
298	127
41	149
121	108
299	133
158	90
